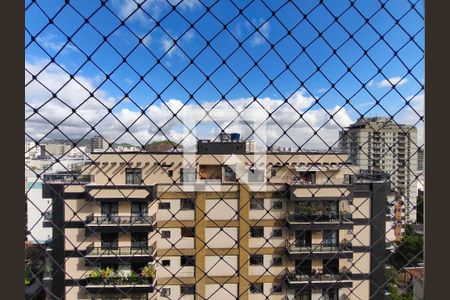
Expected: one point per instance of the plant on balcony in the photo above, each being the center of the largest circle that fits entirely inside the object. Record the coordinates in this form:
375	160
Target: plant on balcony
95	277
148	272
132	278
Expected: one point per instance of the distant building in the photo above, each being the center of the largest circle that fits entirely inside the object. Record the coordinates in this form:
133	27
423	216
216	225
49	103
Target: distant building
380	144
416	277
55	149
98	143
420	159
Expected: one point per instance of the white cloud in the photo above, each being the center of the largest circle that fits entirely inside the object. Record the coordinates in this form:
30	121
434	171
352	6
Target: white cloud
411	115
397	80
285	114
261	36
52	42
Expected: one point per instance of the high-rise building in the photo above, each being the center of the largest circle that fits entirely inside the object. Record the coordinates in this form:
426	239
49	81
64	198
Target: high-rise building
226	226
98	143
380	144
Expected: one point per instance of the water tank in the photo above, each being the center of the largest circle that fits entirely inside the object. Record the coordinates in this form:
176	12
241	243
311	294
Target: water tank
235	137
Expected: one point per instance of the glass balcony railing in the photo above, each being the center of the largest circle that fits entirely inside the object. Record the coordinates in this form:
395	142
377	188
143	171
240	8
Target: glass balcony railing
321	277
137	250
294	248
119	220
318	218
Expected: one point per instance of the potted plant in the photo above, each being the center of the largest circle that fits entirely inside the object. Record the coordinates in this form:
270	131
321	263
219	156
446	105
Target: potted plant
95	277
133	278
148	272
107	275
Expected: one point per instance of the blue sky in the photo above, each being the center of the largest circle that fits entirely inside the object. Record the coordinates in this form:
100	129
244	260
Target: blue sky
134	47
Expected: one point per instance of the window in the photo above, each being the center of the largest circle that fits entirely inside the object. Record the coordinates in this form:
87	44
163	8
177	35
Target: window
187	232
277	232
139	240
188	175
187	204
165	262
164	205
256	260
165	292
165	234
170	173
277	261
348	179
257	232
187	261
255	175
303	295
256	204
110	240
277	288
133	176
109	211
256	288
330	294
139	208
277	205
187	290
273	172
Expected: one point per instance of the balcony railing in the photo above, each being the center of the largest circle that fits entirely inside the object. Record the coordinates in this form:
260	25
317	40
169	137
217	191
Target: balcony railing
119	251
318	247
68	178
319	218
319	277
119	220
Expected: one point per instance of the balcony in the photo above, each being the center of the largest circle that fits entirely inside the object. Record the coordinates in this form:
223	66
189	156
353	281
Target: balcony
134	254
119	285
119	223
68	177
129	192
326	192
342	220
320	251
318	281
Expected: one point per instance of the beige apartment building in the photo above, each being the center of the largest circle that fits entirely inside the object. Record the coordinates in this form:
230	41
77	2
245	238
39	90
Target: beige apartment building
220	223
380	144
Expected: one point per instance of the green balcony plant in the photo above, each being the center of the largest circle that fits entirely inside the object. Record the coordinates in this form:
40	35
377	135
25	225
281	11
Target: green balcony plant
95	277
148	272
133	278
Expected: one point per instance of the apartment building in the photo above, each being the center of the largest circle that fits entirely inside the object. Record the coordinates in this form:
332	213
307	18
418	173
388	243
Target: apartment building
218	223
381	144
98	143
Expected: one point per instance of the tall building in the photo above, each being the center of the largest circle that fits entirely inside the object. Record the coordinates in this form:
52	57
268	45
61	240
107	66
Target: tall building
221	224
380	144
98	143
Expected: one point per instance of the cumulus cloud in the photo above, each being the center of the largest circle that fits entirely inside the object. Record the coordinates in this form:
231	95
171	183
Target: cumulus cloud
267	119
411	115
397	80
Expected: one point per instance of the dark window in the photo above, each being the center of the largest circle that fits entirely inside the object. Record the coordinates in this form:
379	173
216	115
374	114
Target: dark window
110	240
187	261
164	205
256	288
257	232
330	294
187	290
277	288
170	173
139	208
331	266
257	204
278	232
109	211
137	267
277	261
139	240
277	205
273	172
187	232
303	267
165	262
165	292
187	204
303	295
256	260
165	234
133	176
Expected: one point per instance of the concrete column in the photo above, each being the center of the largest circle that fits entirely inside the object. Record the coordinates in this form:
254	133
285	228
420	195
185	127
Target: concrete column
200	248
244	234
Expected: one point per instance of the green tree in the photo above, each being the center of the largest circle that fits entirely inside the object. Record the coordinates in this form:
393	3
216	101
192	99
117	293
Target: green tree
409	251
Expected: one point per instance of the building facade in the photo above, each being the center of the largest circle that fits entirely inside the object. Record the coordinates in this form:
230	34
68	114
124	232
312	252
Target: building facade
380	144
219	224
